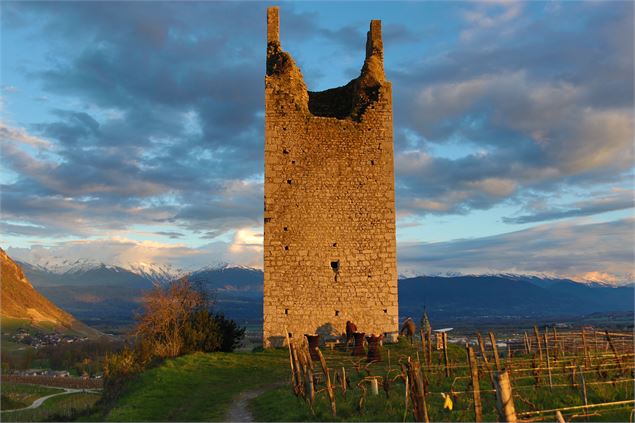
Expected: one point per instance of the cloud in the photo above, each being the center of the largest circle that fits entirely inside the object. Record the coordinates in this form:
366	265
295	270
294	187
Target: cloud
168	127
577	250
569	249
533	109
20	135
245	249
618	200
161	122
171	235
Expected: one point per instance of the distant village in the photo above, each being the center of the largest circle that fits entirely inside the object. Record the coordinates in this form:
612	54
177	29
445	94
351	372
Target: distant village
39	340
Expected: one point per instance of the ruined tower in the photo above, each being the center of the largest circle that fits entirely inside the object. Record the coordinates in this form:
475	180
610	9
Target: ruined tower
329	219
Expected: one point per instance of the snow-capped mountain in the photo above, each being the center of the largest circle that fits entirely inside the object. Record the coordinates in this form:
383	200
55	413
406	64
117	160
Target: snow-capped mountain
152	272
538	278
60	265
99	292
156	272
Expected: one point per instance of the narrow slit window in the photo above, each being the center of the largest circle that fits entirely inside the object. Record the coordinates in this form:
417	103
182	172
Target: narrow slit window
286	311
337	312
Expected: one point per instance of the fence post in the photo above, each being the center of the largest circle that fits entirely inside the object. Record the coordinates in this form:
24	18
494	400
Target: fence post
476	388
527	344
504	400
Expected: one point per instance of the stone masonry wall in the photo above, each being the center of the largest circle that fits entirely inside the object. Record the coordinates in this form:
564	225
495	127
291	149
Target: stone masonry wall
329	243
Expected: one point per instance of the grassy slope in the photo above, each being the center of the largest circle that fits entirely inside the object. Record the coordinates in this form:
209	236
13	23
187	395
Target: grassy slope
201	387
18	395
60	408
197	387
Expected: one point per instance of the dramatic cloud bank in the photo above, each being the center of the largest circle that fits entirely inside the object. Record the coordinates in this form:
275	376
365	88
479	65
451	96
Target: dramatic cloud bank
128	118
580	252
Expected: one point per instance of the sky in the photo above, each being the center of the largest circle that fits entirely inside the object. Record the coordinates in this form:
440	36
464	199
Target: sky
133	131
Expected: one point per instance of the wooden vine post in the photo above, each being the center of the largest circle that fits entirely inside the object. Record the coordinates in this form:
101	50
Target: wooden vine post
481	346
509	358
504	399
587	359
556	352
495	350
617	357
293	379
343	376
538	342
445	353
583	390
429	345
476	387
309	388
424	350
527	344
595	341
327	378
548	364
559	417
414	384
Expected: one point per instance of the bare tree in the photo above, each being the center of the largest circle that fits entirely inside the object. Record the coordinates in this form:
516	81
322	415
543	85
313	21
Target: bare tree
166	311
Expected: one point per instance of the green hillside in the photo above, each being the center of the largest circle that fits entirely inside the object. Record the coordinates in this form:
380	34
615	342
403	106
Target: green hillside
203	387
197	387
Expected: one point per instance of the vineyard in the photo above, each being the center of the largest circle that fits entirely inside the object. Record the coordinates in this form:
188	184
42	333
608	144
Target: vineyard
539	375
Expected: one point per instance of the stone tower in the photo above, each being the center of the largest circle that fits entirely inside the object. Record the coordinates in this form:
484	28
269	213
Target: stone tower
329	219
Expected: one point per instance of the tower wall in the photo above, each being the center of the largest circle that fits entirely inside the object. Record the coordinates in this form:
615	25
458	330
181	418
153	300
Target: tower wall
329	219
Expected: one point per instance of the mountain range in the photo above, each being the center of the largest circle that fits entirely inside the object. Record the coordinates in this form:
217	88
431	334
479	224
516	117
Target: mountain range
103	295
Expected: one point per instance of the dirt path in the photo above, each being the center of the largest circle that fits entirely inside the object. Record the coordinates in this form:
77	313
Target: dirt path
239	410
